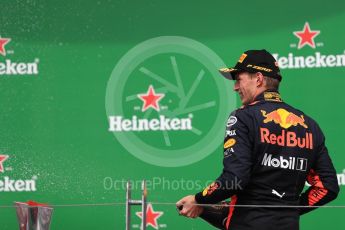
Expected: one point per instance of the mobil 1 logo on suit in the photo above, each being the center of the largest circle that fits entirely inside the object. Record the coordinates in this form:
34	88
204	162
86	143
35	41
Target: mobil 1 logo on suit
290	163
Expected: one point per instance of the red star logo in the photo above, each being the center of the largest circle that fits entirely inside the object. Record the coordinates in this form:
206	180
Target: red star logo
150	99
151	216
306	37
3	42
2	159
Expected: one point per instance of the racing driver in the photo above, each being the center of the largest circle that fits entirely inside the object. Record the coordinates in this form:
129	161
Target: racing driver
270	150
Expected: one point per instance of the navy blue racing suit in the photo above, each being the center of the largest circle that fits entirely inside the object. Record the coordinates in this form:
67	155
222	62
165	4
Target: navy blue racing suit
270	150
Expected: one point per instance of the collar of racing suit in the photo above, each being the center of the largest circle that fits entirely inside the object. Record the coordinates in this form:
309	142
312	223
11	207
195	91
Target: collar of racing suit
268	95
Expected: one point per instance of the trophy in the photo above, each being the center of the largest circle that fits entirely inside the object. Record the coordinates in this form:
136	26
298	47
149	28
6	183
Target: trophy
33	216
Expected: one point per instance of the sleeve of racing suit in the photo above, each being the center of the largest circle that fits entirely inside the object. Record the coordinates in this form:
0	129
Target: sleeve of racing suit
216	215
322	179
237	162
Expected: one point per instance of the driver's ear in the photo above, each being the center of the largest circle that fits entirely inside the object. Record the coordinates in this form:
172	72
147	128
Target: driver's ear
259	79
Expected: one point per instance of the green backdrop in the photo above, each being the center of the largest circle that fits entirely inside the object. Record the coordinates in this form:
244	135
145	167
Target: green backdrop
71	65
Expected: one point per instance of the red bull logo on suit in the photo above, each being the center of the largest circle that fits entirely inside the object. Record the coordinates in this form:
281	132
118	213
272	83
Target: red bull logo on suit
285	119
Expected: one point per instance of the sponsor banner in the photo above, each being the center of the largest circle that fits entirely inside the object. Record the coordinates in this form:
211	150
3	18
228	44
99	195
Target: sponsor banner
162	123
119	124
160	115
152	218
8	184
315	60
309	38
8	67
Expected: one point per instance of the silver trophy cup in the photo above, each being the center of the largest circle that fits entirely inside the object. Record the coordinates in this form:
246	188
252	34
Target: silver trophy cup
33	217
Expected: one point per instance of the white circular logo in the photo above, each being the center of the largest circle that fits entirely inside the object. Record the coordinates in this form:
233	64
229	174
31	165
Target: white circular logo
156	103
231	121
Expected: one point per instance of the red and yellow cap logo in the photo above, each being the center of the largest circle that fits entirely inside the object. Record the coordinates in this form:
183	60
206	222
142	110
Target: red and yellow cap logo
243	56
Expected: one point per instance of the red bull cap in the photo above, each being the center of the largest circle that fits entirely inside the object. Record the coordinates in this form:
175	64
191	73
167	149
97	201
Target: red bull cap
253	61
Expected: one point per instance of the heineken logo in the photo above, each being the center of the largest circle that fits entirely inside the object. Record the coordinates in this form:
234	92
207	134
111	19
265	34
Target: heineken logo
118	124
3	158
8	67
316	60
149	100
152	217
3	43
309	39
157	106
306	36
10	185
18	68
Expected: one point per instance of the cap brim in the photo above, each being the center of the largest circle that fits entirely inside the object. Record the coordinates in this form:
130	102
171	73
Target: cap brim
229	73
